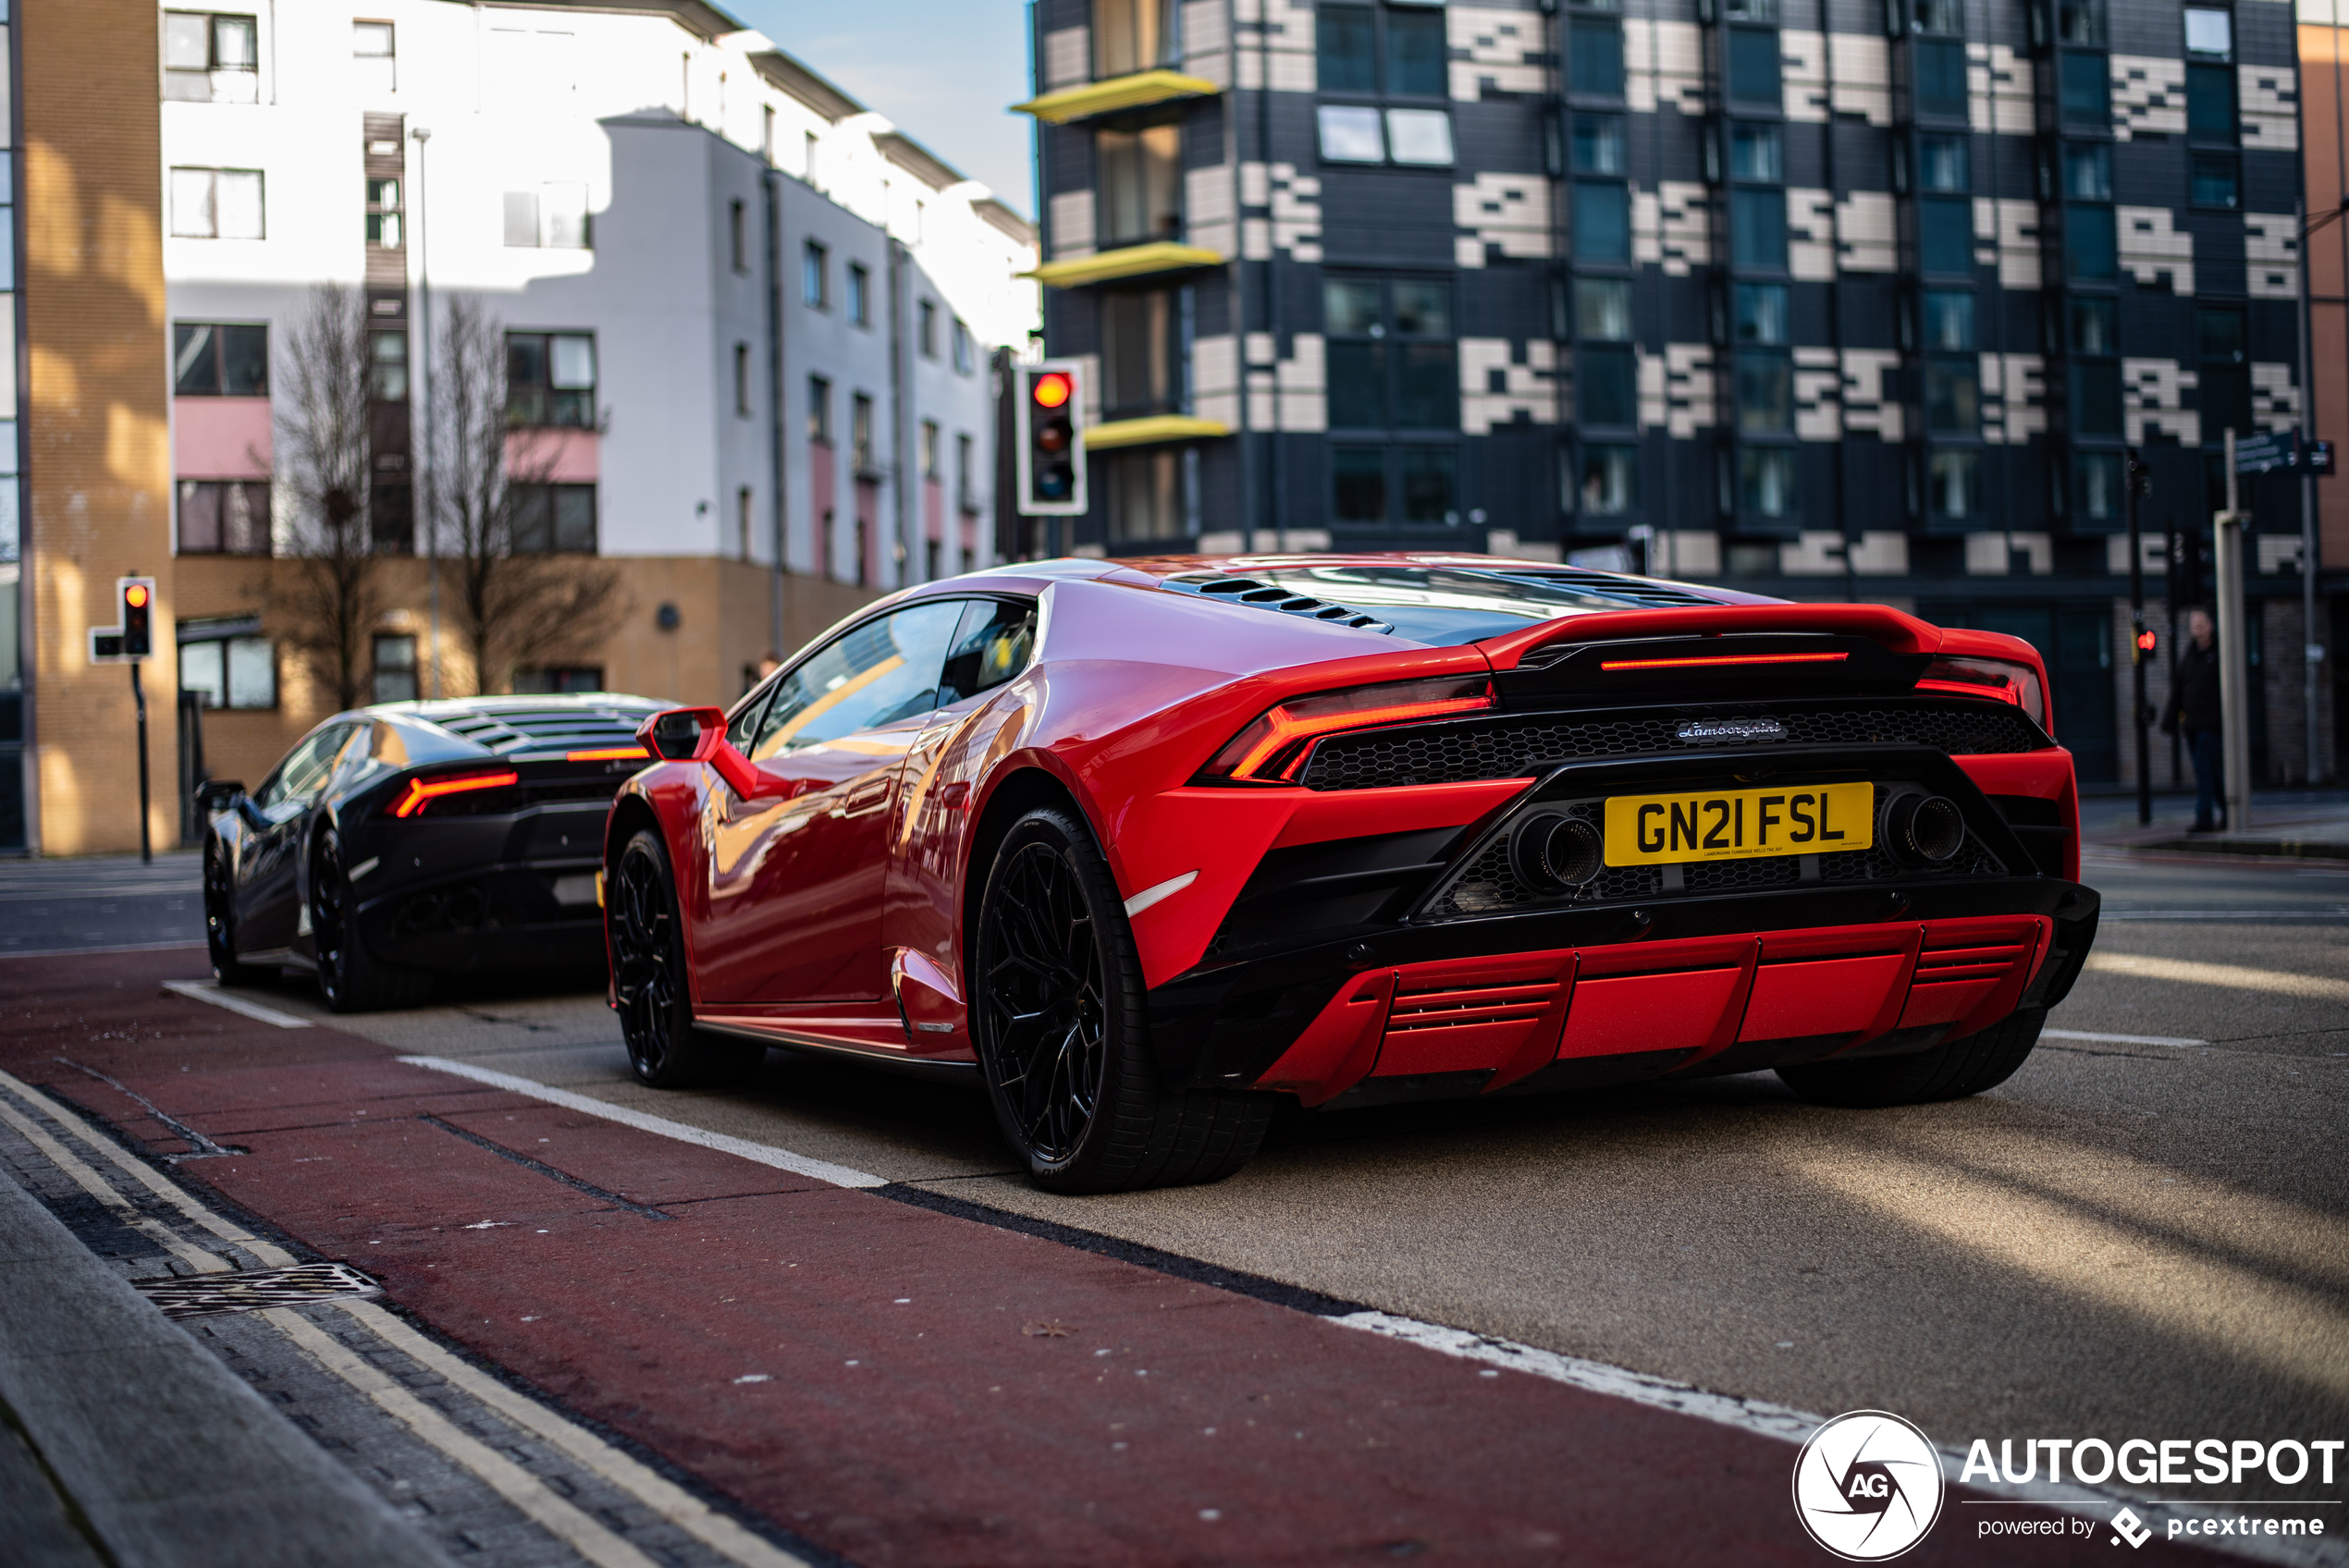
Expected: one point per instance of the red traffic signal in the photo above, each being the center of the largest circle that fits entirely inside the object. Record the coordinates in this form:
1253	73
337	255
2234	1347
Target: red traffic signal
138	617
1049	439
1050	389
2147	641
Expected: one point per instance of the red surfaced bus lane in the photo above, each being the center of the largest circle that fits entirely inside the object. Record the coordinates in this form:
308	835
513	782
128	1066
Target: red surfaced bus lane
899	1385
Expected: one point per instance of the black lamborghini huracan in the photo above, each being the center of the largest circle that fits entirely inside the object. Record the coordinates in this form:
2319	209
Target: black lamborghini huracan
407	840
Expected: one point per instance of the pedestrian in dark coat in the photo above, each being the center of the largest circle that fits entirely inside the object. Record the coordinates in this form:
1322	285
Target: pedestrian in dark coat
2192	708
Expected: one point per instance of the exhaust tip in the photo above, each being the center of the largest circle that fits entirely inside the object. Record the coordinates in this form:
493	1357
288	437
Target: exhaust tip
1925	829
1558	851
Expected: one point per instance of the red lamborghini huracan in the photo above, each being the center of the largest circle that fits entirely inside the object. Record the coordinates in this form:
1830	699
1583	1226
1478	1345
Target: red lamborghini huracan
1145	845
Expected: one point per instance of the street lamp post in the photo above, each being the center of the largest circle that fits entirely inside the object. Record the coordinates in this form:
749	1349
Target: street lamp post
2138	483
421	358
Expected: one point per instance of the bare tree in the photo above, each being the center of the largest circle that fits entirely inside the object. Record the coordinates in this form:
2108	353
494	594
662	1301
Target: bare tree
525	594
324	445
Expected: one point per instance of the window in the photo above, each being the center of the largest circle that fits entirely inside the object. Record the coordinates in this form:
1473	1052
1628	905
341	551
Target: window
209	58
1602	221
819	409
1594	57
741	521
2080	21
2095	397
2225	371
1416	52
1351	135
738	236
1944	165
742	380
1954	483
1760	313
882	671
1764	393
1757	229
860	436
1943	17
1945	234
1358	491
964	359
1610	480
1765	481
1148	498
1949	321
1141	352
2210	103
929	450
1413	137
1753	66
373	56
2210	34
556	520
926	328
815	277
1603	309
224	517
1392	362
2087	171
2094	326
2090	244
395	669
2096	486
1132	35
217	204
553	218
808	166
387	366
966	491
2086	90
1141	184
304	770
2217	180
1952	395
1599	144
1940	77
1606	385
209	360
1346	43
228	672
560	680
1412	485
383	212
1756	152
860	296
991	645
550	378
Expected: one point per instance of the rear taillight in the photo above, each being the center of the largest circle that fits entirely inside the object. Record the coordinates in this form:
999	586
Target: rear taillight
2016	683
422	792
608	754
1272	750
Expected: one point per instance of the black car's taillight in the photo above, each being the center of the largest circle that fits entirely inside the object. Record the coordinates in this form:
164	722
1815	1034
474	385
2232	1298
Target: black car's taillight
421	793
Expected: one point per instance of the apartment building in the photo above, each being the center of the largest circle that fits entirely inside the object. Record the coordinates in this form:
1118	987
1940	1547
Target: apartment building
746	328
1823	298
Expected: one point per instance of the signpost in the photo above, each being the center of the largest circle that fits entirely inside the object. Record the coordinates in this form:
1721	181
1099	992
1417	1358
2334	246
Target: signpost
2139	484
2235	685
132	640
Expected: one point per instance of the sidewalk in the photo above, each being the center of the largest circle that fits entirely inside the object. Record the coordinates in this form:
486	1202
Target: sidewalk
2299	824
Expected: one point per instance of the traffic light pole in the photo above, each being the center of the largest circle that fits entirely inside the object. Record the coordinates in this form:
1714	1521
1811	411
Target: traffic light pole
138	699
2133	466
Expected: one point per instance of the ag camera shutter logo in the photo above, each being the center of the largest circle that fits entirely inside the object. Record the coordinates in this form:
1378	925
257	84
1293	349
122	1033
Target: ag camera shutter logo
1867	1485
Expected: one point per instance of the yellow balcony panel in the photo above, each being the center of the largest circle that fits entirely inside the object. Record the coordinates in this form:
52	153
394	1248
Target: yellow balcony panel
1134	261
1138	91
1157	430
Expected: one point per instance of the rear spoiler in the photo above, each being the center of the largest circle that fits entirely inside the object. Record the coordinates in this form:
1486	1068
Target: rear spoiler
1895	631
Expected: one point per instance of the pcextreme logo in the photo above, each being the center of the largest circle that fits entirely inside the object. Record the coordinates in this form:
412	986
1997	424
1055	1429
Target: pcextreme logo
1867	1485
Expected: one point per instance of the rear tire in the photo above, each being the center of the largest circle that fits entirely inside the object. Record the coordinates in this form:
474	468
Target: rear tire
351	978
1056	1013
650	978
220	920
1951	1071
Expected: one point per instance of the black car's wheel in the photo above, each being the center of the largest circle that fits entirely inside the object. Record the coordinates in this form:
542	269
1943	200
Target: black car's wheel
648	977
1056	1012
220	919
1951	1071
352	979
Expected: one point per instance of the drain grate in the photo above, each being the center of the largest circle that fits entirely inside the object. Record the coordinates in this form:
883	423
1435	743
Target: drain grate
210	1294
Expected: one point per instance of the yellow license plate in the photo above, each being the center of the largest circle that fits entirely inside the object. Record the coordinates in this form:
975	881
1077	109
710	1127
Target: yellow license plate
1739	823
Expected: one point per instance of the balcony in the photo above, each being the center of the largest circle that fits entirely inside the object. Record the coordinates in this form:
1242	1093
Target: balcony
1131	261
1136	92
1155	430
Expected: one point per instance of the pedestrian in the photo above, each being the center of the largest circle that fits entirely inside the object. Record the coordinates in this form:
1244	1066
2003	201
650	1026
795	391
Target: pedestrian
2194	708
768	663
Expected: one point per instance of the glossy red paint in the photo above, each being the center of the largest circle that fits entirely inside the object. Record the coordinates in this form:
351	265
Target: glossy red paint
828	891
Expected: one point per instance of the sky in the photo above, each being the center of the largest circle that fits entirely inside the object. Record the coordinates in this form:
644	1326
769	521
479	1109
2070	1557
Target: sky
942	70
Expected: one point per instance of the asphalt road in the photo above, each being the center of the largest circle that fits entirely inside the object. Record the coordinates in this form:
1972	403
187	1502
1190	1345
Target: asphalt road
2136	1236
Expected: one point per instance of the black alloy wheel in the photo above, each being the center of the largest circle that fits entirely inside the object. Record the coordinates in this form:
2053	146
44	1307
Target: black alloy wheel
220	919
351	978
1056	1013
649	978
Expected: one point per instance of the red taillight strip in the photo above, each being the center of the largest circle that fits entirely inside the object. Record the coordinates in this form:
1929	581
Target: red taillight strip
607	754
2004	693
1724	659
420	791
1286	728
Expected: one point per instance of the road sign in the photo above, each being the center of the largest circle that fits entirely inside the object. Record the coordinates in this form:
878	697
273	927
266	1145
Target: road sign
2320	457
2265	454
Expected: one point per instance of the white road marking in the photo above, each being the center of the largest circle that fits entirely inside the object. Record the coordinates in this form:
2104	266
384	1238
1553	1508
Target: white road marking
2117	1039
1162	890
90	1182
210	991
87	953
2233	976
660	1126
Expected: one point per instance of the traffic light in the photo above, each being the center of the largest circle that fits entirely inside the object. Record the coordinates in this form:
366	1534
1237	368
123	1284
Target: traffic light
138	615
1050	437
2147	642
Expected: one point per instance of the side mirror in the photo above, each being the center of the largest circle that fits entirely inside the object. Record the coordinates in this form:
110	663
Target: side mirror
216	794
699	735
684	734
